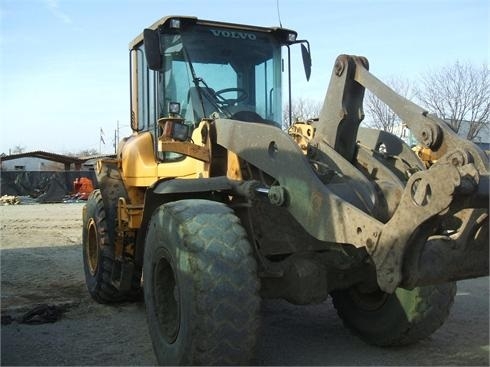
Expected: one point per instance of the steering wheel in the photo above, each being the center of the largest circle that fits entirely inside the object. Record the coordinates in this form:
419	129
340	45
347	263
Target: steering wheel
241	96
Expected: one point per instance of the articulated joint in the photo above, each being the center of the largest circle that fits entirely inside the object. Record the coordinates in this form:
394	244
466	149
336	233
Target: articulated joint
431	136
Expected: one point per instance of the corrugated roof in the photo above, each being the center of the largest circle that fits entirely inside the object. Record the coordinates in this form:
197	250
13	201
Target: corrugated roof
45	155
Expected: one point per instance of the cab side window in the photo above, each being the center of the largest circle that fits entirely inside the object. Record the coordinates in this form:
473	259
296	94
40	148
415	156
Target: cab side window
146	92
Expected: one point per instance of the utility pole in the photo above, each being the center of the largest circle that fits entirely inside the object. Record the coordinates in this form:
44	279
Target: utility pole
101	140
116	137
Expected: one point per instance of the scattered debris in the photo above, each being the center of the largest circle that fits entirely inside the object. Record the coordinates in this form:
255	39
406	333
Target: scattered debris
7	319
73	199
9	200
43	314
55	189
82	186
48	186
27	200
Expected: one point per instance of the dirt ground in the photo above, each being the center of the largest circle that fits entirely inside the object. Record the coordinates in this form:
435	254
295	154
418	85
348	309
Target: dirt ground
41	263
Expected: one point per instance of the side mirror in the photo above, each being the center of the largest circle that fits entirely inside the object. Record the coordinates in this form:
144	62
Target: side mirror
151	41
305	53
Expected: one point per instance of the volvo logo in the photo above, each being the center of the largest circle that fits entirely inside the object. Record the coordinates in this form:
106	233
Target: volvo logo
233	34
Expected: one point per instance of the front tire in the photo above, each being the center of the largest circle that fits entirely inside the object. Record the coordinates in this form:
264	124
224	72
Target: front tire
402	318
200	285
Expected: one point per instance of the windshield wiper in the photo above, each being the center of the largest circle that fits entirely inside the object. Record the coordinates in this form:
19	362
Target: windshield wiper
203	92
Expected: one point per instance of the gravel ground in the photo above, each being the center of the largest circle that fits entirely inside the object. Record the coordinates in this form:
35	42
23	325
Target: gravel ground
41	263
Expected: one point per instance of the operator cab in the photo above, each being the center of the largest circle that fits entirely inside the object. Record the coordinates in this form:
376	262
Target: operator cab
213	69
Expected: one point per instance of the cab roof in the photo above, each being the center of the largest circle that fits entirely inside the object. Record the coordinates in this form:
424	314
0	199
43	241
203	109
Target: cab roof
165	21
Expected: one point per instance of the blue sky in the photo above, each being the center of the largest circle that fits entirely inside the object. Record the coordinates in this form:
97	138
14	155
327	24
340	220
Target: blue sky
64	63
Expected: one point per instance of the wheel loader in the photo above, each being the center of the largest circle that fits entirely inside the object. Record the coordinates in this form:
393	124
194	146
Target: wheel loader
212	204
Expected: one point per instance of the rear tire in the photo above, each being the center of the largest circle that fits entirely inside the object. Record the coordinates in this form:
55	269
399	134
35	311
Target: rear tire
98	254
402	318
200	285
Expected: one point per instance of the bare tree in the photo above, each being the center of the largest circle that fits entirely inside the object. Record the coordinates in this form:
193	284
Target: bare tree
86	153
302	109
18	149
382	117
460	95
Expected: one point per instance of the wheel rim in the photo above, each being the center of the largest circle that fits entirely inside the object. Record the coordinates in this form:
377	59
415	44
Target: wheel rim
92	247
167	299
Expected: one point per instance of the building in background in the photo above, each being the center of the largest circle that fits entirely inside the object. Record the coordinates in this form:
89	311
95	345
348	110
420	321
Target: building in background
47	177
39	161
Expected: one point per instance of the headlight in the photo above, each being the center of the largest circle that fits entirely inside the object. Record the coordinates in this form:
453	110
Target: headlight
174	23
174	108
291	37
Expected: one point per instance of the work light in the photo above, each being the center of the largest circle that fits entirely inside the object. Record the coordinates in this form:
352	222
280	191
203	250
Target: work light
174	108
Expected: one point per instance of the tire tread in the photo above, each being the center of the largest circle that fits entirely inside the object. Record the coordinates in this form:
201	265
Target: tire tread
224	281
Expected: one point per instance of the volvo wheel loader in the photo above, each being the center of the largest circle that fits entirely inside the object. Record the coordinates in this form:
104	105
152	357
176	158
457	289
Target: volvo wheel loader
212	205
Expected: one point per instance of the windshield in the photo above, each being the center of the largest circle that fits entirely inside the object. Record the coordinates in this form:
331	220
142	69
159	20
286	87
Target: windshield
232	72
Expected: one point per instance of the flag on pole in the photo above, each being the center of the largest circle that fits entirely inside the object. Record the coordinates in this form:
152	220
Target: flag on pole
102	136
